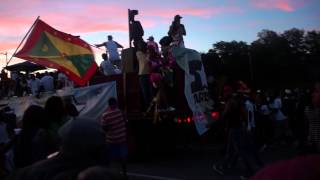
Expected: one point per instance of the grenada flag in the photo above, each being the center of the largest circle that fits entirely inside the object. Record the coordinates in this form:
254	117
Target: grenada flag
55	49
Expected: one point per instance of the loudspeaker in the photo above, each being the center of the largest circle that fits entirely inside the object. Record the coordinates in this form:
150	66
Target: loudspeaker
129	60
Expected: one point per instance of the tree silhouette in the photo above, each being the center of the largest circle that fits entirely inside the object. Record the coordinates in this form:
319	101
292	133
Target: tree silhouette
278	60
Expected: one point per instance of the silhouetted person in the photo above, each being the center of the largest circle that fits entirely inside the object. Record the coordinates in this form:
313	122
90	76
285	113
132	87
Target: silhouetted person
83	145
55	114
34	85
4	83
144	74
34	143
113	123
4	140
172	74
152	43
21	86
135	29
280	120
177	31
70	108
239	142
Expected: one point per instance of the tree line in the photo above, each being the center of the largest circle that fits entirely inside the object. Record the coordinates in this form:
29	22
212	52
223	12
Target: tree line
284	60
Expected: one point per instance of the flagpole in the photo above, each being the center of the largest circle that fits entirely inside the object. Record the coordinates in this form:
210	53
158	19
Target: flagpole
23	40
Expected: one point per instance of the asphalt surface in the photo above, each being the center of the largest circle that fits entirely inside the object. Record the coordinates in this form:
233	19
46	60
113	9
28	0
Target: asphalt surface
195	163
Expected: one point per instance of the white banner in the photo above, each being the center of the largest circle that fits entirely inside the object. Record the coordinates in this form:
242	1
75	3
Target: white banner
95	99
196	86
91	101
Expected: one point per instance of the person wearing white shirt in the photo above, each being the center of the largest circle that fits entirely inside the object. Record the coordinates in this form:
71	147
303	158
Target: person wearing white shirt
47	82
112	49
106	67
277	105
265	122
250	113
279	119
62	78
34	85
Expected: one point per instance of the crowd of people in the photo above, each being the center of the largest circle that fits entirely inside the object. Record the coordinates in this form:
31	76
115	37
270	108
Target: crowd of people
23	84
156	68
264	120
52	142
156	73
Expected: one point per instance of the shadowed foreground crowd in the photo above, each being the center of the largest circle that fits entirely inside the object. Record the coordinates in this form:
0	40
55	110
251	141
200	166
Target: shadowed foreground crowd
53	143
269	120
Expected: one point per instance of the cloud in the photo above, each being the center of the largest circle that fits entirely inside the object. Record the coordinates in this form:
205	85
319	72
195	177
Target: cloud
79	24
85	17
17	18
9	42
14	26
4	46
198	12
283	5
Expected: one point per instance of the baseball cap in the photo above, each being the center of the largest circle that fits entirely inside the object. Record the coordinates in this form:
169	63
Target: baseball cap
177	16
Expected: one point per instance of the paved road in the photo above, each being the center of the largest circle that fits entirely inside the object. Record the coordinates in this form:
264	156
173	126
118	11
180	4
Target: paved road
195	163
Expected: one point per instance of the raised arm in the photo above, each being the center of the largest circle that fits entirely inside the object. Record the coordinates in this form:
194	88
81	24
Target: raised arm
99	45
119	45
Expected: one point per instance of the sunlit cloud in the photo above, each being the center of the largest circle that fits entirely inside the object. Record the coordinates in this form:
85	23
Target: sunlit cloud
4	46
13	26
198	12
92	19
283	5
88	17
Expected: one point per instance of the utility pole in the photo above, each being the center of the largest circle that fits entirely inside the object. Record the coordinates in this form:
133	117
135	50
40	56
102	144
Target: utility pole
129	27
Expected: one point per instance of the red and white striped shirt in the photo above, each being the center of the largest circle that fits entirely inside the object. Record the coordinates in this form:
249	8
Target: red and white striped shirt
114	124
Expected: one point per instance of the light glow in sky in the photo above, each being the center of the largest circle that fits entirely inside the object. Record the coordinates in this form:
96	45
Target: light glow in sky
206	21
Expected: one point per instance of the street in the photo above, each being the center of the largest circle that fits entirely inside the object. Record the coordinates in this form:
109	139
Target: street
195	162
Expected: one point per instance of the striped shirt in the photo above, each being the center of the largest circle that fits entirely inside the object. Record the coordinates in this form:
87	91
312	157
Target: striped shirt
114	124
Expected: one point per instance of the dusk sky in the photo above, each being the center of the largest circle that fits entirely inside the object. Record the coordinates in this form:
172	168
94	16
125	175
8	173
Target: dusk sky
206	21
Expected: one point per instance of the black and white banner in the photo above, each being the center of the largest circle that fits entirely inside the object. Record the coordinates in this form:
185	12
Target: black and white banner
196	86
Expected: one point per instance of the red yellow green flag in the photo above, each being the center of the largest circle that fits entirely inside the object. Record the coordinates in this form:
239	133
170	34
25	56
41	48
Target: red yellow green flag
55	49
